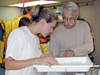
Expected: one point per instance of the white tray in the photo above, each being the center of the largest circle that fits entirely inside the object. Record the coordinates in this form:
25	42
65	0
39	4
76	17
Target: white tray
68	64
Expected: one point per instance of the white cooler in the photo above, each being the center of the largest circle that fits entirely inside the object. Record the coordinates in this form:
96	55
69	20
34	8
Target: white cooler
67	64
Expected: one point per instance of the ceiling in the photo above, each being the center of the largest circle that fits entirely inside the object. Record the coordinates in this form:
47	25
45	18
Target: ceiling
9	2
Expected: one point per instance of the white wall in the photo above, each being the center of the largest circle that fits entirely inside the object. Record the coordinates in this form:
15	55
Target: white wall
10	13
87	13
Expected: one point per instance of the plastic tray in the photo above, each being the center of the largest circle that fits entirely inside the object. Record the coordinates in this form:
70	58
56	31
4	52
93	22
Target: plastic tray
69	64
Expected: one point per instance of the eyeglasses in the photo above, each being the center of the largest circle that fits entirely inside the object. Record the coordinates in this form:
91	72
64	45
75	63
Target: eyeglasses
72	19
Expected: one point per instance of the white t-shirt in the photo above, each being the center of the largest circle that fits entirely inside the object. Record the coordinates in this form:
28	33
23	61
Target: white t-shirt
22	45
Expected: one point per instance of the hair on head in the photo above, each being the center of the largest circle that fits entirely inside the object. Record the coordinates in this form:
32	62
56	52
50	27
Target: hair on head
24	21
40	12
71	8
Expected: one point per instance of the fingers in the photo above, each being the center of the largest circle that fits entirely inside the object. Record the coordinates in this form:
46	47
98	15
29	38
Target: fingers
47	54
47	61
69	53
51	61
65	54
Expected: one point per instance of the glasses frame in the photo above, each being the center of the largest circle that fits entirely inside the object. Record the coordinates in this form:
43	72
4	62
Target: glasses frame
72	19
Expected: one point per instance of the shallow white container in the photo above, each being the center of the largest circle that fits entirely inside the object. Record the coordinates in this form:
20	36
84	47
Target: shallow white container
68	64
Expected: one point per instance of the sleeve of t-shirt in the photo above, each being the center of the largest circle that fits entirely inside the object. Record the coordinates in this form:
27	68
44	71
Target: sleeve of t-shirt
87	47
54	44
13	44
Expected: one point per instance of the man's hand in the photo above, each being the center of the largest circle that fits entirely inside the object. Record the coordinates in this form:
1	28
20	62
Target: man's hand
69	53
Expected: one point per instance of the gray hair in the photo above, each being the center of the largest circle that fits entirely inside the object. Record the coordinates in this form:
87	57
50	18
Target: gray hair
71	8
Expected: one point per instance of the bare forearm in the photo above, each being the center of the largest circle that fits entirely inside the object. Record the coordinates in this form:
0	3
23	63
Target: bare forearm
12	64
18	64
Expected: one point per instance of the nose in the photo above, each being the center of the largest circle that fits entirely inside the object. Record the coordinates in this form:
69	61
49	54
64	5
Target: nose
68	20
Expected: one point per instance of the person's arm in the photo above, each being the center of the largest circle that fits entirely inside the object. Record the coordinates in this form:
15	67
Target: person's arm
87	47
12	64
54	44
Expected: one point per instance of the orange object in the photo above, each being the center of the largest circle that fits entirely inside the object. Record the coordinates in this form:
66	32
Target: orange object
27	15
42	41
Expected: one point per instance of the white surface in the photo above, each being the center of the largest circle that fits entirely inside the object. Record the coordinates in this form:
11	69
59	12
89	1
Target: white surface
69	64
99	72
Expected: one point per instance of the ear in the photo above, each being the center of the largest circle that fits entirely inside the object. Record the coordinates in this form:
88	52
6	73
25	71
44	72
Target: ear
43	22
77	16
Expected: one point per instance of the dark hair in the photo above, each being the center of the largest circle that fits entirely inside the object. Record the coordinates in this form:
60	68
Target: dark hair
24	21
39	12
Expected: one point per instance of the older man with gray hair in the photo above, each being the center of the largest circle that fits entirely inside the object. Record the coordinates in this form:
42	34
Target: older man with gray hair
72	37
